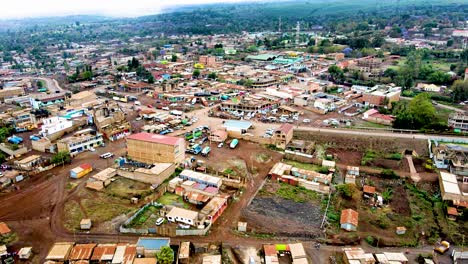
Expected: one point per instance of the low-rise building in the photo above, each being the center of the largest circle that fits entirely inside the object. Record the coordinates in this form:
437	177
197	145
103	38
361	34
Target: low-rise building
349	220
81	141
181	215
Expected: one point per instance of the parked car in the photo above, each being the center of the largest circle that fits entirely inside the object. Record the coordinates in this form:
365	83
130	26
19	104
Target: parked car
149	106
306	121
106	155
159	221
165	108
220	145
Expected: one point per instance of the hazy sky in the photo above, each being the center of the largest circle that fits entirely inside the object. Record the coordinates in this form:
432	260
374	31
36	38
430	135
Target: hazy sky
37	8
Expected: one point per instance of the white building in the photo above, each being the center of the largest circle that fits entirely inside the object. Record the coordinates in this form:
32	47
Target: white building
183	216
54	124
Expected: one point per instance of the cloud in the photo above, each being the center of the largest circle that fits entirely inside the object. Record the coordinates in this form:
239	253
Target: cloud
126	8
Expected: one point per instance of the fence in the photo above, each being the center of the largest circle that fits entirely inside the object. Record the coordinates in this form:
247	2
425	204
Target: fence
126	230
193	232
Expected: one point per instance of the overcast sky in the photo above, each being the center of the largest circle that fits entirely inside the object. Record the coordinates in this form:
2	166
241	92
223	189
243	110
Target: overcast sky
127	8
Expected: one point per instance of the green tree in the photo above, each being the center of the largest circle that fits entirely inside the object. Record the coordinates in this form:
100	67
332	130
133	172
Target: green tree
422	110
336	73
212	75
174	58
439	77
196	73
165	255
61	157
460	91
151	79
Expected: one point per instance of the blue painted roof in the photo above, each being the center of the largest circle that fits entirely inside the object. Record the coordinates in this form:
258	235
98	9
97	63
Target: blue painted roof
152	243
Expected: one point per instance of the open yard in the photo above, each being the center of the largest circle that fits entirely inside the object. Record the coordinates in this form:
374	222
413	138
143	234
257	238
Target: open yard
126	188
285	210
173	200
417	208
99	207
146	219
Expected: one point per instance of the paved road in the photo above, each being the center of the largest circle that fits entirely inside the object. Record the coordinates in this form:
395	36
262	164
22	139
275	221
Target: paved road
259	129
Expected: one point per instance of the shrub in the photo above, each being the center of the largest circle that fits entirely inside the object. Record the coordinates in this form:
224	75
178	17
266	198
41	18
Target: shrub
346	190
395	156
388	174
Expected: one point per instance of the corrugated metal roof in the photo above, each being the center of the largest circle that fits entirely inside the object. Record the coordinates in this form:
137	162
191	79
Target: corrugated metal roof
155	138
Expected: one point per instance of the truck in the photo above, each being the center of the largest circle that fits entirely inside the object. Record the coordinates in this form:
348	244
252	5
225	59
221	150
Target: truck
188	136
196	149
234	143
206	151
442	247
197	134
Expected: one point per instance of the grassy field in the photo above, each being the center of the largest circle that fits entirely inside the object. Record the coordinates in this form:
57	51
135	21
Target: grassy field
370	124
174	200
74	215
305	166
99	207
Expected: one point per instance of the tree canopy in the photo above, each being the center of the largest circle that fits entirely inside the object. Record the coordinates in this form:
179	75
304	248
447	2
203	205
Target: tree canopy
166	255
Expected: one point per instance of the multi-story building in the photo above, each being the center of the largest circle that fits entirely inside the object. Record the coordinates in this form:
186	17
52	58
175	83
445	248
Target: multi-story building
81	141
11	92
458	121
110	120
283	135
208	61
54	125
153	148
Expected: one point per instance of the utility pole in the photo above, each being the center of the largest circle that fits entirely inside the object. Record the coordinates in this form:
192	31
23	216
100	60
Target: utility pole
279	25
298	30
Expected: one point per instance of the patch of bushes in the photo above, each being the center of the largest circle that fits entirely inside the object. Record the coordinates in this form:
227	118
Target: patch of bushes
274	147
368	156
395	156
346	190
388	174
297	194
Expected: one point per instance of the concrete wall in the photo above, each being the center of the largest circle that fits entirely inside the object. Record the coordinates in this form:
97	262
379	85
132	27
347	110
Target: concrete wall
11	152
147	178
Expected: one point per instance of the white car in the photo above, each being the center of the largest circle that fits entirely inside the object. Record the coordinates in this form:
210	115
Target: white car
159	221
220	145
165	108
306	121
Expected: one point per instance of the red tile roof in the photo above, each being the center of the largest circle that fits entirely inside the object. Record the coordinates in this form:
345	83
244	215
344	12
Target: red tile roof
368	189
285	128
452	211
4	229
349	216
155	138
270	250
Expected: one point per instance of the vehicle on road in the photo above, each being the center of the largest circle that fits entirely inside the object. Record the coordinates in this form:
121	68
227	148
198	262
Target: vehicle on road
220	145
165	108
234	143
106	155
306	121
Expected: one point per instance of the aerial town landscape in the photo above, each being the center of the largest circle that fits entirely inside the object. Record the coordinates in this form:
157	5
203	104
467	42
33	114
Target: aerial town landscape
274	132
